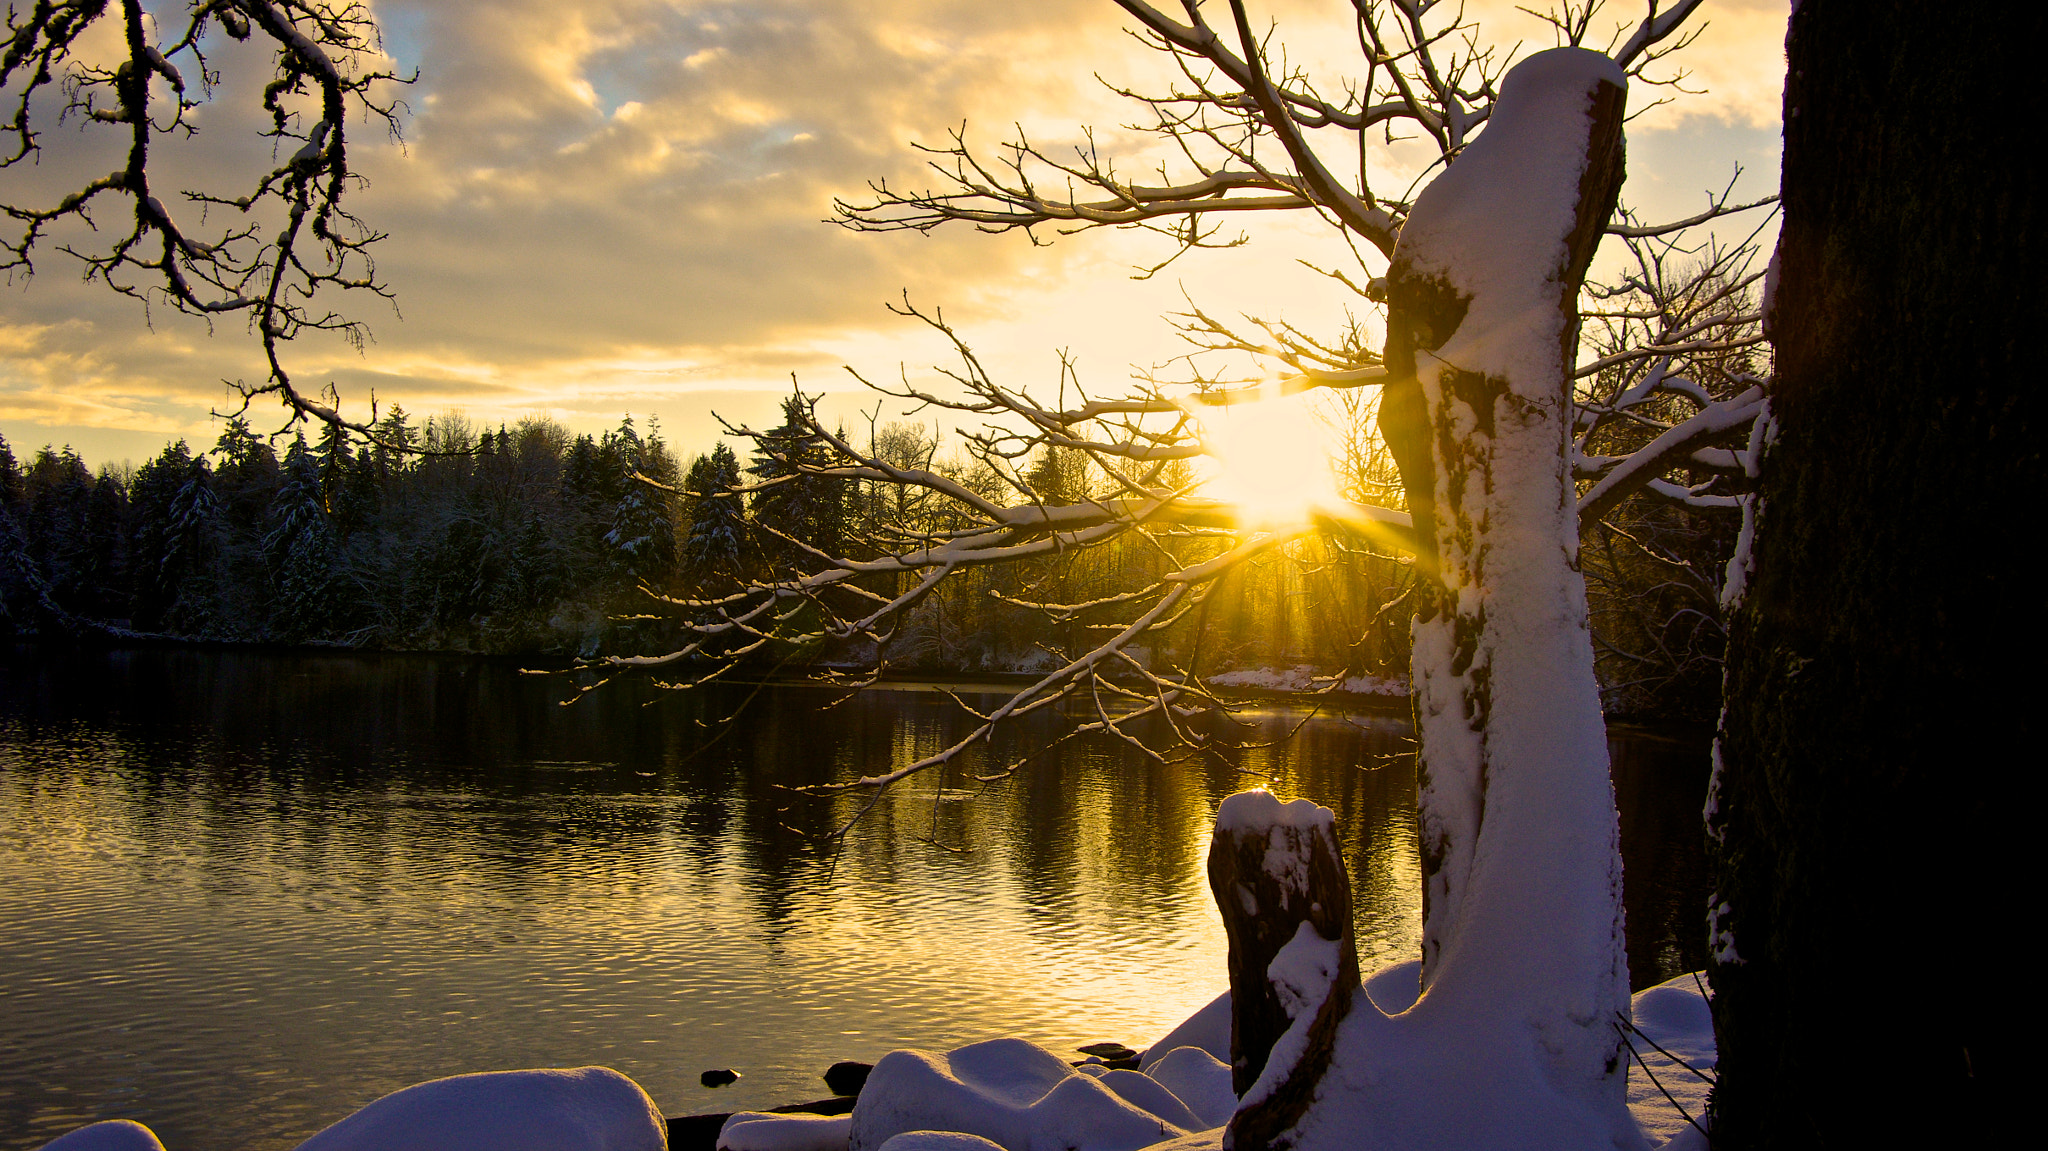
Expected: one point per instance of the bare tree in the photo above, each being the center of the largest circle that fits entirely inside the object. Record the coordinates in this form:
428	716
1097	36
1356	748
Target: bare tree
1505	444
266	253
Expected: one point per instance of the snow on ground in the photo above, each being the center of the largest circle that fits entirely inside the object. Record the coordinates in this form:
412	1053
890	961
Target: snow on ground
760	1131
1024	1098
112	1135
1002	1094
1302	677
584	1109
1675	1016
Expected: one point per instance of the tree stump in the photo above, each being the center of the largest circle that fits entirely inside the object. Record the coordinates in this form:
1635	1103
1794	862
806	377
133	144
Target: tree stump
1281	888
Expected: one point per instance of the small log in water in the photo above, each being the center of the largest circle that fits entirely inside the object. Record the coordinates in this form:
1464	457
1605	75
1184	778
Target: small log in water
1275	869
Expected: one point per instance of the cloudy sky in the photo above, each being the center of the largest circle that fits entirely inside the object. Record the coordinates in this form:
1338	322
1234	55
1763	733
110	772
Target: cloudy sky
617	206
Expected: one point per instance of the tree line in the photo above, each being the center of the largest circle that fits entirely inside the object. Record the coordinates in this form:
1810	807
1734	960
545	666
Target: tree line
528	539
432	536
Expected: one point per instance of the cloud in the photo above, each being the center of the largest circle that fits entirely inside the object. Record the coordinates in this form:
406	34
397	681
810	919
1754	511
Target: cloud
618	205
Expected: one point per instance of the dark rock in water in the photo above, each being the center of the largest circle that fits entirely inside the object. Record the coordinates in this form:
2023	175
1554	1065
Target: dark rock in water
1112	1055
837	1105
718	1077
847	1077
700	1132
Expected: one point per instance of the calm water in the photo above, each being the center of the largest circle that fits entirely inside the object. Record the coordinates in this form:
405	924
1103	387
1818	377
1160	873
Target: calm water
243	894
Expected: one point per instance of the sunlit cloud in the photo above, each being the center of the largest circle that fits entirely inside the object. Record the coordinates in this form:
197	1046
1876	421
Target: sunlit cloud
619	206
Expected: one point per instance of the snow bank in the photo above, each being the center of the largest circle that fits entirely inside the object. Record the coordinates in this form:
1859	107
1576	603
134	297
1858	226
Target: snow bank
938	1141
1672	1015
112	1135
1394	989
1017	1095
584	1109
758	1131
1198	1079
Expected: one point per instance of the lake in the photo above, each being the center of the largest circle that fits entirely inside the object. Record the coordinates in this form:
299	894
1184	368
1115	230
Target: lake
243	893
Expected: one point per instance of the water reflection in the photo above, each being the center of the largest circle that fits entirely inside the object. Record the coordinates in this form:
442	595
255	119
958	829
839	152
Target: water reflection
244	893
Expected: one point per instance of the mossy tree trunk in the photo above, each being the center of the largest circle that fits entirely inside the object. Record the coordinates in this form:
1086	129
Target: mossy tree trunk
1883	662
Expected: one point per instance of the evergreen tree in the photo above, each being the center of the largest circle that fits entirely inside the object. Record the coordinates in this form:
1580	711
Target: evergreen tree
334	460
394	436
1060	476
57	488
715	523
801	507
642	536
10	476
300	548
153	582
105	563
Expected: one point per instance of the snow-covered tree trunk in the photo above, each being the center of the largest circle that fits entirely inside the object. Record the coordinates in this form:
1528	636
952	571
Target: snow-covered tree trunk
1513	1042
1285	899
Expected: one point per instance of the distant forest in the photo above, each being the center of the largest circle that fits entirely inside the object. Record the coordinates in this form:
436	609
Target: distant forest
528	540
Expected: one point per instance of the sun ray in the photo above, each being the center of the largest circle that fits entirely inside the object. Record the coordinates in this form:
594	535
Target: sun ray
1272	459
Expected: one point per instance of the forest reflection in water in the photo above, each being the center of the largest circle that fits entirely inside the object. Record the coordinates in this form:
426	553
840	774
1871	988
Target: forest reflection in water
246	892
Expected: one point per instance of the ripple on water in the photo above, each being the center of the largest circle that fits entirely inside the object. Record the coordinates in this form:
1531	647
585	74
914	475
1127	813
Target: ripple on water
236	918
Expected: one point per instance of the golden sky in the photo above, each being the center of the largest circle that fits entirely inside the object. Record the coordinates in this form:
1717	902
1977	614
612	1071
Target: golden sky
617	206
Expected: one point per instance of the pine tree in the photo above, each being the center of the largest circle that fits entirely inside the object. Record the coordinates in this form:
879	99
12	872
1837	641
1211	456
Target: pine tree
57	488
803	508
300	547
334	461
715	523
10	476
642	536
104	577
394	436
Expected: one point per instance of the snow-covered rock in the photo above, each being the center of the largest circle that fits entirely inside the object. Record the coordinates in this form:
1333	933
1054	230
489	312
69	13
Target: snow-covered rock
112	1135
580	1109
938	1141
1199	1080
1017	1095
760	1131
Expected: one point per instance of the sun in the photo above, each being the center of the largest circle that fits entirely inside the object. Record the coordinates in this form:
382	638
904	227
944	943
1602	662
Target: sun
1272	459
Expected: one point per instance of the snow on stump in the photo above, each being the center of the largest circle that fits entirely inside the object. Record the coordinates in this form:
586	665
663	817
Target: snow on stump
1017	1095
111	1135
582	1109
1285	899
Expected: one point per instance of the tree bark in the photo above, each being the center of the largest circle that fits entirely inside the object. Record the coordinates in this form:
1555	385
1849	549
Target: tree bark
1513	1041
1274	873
1860	834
